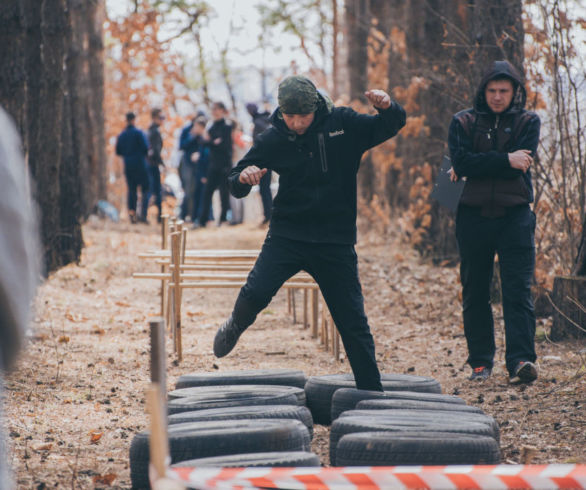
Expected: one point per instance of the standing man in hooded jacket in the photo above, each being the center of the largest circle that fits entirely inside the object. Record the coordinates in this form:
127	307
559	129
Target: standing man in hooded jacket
493	145
316	150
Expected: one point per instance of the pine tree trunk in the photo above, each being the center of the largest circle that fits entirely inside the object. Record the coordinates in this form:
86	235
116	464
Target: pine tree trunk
96	15
569	316
358	21
12	71
51	110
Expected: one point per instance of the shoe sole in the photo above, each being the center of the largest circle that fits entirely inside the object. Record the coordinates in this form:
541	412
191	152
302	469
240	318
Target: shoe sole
527	374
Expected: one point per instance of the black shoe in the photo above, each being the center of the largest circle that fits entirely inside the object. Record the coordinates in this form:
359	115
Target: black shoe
525	372
480	373
226	338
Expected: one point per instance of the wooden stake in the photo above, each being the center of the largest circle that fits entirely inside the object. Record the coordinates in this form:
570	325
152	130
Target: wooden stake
176	249
158	368
305	314
164	225
158	444
314	312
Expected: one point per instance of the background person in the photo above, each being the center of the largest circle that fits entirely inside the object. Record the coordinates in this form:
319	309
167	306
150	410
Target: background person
219	140
19	260
261	121
316	150
493	146
155	159
132	146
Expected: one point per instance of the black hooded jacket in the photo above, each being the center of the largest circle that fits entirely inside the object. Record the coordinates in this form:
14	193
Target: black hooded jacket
316	200
480	141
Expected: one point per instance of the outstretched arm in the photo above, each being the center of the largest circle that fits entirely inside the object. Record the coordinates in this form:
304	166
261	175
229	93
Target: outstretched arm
373	130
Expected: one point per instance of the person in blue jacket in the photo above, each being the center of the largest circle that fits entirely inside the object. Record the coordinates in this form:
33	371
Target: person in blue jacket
200	154
132	146
493	145
316	150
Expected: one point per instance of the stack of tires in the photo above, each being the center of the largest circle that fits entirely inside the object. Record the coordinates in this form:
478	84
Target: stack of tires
410	423
233	419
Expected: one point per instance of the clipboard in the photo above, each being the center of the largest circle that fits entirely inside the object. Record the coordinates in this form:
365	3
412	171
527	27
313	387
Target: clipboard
446	192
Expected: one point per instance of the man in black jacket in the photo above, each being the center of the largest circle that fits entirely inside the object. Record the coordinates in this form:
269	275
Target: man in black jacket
493	146
316	150
154	157
132	146
219	141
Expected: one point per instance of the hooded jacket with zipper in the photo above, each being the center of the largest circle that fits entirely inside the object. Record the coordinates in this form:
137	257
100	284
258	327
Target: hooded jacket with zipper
480	141
316	200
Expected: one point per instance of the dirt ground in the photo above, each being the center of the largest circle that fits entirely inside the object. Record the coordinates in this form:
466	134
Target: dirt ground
76	397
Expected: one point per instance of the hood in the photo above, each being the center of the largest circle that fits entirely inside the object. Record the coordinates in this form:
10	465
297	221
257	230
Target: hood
500	69
325	107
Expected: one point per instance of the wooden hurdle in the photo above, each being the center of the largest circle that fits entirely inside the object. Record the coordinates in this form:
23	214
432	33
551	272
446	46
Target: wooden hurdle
205	269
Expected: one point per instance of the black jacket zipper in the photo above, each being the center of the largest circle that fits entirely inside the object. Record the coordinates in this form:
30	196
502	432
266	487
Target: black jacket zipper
322	152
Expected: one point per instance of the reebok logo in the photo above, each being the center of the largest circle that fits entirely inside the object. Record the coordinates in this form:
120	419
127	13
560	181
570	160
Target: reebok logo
336	133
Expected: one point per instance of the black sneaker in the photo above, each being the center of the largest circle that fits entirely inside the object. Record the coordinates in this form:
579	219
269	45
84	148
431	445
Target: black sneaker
480	373
226	338
525	372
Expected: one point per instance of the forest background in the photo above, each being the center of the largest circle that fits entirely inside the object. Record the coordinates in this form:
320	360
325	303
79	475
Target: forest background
72	68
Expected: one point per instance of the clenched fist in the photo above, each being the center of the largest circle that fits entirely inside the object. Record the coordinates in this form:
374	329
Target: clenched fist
252	175
378	98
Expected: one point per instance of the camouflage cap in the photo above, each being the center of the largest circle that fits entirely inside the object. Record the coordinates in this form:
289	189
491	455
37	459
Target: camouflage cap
297	95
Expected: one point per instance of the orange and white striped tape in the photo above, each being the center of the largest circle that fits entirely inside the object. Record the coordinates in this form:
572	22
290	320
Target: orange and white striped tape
379	478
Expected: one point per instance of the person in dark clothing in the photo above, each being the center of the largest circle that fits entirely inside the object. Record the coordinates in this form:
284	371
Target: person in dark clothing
493	146
187	169
219	140
132	146
316	150
154	157
200	156
262	121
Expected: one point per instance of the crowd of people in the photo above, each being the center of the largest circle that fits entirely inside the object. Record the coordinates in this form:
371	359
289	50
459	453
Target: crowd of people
207	149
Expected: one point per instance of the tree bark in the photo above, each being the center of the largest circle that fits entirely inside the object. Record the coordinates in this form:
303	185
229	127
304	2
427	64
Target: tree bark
51	109
12	73
358	22
569	316
96	15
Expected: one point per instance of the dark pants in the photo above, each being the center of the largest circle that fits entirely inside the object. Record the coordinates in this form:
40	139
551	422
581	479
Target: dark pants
198	196
266	195
217	179
155	185
187	176
135	178
512	238
335	269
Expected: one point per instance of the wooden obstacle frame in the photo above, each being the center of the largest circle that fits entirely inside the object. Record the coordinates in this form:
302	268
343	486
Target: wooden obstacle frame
182	269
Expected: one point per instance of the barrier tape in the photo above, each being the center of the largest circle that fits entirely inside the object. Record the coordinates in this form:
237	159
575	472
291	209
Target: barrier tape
567	476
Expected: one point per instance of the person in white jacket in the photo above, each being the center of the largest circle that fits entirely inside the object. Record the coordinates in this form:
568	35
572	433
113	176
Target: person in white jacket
19	257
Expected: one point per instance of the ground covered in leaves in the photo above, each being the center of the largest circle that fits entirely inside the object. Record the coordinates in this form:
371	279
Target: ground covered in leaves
76	397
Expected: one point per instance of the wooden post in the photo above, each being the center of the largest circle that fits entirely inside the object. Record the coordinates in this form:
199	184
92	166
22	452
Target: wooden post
305	314
158	368
164	224
176	255
293	305
314	312
159	443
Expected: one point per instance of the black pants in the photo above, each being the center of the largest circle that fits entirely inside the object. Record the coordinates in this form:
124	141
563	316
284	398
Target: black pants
266	194
135	178
155	185
512	238
217	179
335	269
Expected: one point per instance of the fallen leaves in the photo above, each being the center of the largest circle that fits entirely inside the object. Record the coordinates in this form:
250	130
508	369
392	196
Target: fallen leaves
105	479
95	436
